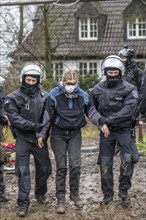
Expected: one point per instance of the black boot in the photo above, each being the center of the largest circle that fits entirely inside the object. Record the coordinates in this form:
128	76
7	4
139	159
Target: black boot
61	206
22	211
106	200
124	196
42	199
77	201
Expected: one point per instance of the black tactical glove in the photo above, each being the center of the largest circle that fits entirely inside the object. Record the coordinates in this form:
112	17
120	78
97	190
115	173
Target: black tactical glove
37	127
143	117
103	120
3	120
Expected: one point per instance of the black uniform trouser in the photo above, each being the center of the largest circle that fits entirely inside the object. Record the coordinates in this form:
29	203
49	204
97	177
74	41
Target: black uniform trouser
106	154
42	166
134	150
2	186
63	142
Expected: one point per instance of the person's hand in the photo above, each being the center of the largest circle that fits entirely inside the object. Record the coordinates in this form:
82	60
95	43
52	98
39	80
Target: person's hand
40	142
37	127
105	130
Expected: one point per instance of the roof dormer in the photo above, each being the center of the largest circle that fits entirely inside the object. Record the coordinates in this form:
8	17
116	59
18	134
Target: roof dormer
135	20
90	22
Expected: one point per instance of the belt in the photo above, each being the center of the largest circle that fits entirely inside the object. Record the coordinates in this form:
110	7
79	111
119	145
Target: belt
65	131
120	129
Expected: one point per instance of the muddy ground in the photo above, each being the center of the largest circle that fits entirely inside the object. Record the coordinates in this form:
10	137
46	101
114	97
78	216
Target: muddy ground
90	193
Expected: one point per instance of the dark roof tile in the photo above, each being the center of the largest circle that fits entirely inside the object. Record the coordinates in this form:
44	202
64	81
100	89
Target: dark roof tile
63	29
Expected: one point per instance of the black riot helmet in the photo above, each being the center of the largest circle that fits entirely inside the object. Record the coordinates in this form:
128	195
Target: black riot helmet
128	53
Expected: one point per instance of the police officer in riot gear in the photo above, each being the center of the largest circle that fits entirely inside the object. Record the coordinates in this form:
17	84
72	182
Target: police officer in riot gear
132	74
3	122
143	100
25	110
116	100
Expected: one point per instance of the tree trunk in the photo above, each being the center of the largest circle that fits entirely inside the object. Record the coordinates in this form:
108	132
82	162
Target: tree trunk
21	29
48	58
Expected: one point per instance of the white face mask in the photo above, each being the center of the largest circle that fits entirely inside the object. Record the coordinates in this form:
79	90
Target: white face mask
70	88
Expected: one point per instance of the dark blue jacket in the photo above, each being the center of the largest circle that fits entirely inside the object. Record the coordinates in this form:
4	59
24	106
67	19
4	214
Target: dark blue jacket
143	102
23	110
117	103
134	75
69	113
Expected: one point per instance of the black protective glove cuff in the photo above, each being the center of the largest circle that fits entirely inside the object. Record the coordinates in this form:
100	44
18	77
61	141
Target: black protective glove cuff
103	120
37	127
5	121
143	117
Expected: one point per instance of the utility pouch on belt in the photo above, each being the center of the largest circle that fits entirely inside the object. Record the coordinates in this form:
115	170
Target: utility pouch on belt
132	132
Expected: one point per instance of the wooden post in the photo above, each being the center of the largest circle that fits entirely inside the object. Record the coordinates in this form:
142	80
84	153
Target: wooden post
140	132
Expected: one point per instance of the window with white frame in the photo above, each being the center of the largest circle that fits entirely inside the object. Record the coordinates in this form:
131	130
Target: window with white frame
87	68
88	29
57	69
137	29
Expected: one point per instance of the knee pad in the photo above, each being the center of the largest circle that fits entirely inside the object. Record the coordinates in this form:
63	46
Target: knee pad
126	158
106	165
127	164
75	170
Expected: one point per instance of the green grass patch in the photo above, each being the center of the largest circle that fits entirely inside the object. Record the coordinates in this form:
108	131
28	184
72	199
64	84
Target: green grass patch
142	145
90	131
